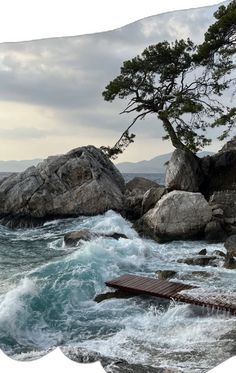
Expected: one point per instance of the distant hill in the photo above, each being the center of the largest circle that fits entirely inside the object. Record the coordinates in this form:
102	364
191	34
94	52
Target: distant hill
17	166
154	165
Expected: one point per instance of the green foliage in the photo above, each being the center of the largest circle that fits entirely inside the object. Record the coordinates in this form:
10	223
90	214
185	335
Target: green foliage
220	38
183	85
120	146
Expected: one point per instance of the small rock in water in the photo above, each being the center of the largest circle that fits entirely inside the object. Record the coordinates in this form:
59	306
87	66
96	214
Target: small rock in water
201	260
201	274
164	275
72	238
219	253
202	252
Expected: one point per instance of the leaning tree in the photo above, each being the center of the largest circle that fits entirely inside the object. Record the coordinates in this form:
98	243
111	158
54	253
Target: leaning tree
168	81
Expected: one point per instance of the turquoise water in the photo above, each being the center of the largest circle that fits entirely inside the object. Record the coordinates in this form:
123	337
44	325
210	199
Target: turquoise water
47	292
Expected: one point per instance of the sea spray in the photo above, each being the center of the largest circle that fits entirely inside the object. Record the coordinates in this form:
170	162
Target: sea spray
48	290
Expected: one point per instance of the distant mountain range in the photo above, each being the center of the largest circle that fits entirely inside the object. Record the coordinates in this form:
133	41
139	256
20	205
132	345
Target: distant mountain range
154	165
17	166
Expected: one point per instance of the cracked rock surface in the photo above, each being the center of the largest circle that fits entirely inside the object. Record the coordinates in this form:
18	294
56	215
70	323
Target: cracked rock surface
80	182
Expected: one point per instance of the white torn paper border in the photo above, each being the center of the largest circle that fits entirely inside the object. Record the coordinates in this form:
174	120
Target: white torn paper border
23	21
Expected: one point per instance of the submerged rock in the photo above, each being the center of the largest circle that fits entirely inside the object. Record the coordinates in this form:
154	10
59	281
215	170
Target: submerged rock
183	172
72	238
81	182
177	215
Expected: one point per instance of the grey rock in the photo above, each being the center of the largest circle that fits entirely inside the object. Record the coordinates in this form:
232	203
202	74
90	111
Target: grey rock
118	294
218	212
230	262
219	173
219	253
183	172
82	182
227	199
111	365
214	232
134	193
202	252
230	245
200	260
201	274
73	238
151	197
177	215
165	274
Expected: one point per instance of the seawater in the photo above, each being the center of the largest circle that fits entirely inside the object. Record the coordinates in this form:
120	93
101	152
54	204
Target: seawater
47	292
157	177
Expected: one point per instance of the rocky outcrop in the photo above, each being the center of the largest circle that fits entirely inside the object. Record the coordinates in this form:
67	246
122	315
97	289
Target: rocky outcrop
219	172
177	215
183	172
73	238
134	193
82	182
151	197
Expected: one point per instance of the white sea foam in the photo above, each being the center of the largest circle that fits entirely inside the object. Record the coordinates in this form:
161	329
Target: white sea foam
12	303
54	304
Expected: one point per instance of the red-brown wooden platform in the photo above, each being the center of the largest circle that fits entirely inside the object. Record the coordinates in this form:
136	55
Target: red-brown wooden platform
171	290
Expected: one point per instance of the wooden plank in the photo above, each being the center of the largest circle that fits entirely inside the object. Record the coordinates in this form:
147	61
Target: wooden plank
167	289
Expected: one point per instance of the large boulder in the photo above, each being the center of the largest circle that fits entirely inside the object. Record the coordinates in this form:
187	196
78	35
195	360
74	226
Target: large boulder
81	182
183	172
134	193
177	215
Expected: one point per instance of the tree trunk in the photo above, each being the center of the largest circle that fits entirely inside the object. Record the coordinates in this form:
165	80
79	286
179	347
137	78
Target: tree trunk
171	132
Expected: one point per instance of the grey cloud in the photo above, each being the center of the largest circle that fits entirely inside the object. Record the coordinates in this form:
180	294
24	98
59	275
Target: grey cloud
69	74
23	133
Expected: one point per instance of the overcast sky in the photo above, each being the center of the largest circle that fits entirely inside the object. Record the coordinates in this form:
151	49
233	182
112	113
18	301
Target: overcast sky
51	90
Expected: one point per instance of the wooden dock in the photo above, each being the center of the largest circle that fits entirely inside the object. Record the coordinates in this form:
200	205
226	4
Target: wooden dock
171	290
